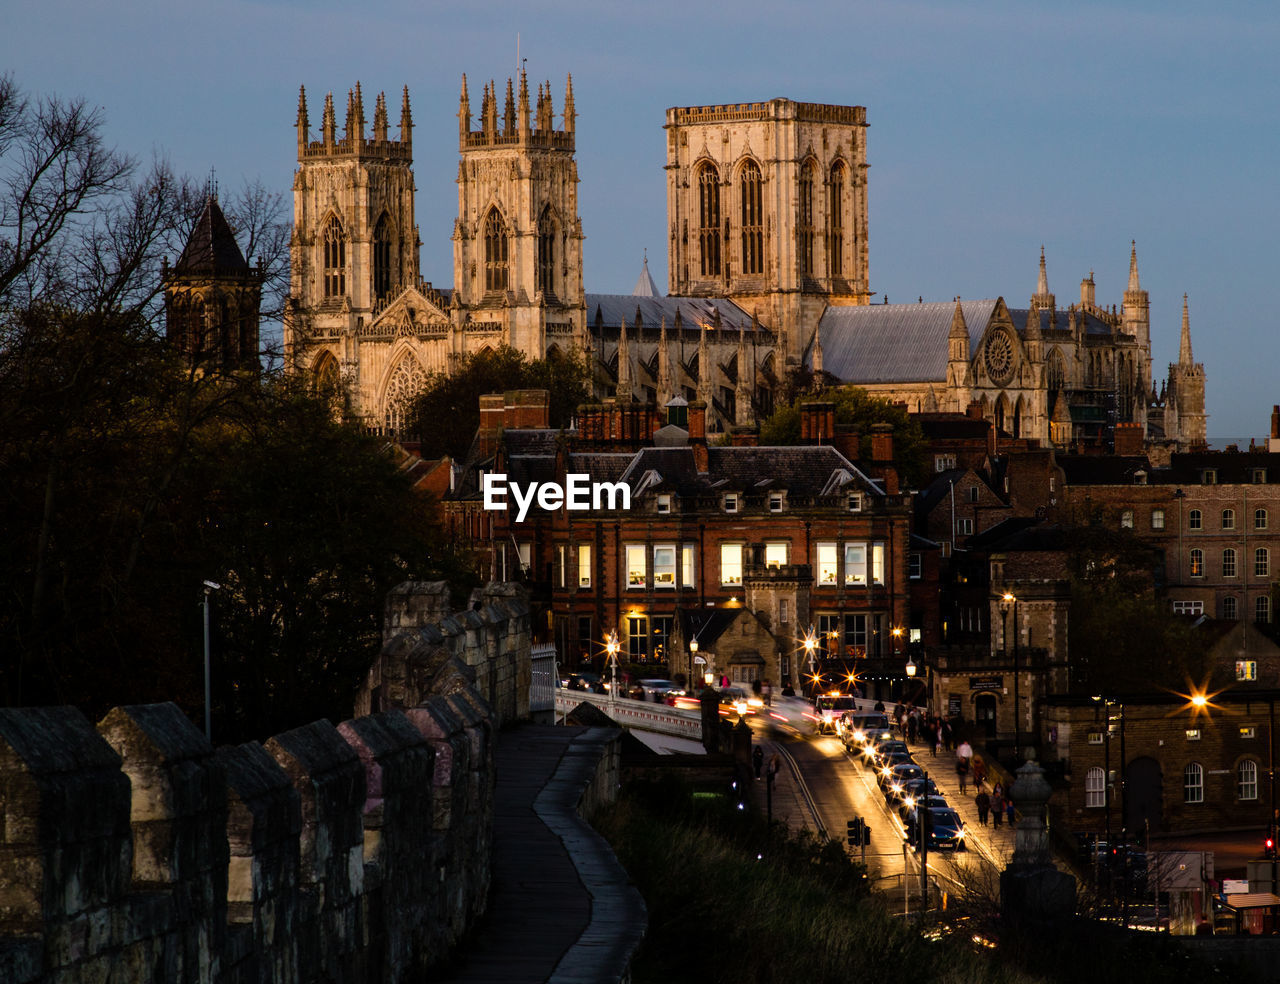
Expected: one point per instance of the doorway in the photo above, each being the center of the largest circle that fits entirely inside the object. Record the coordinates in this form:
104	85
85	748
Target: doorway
984	715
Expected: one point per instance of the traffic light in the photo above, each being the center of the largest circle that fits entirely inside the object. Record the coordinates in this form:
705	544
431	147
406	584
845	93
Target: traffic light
859	833
1269	847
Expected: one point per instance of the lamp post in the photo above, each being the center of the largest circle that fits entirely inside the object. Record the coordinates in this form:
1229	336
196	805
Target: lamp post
209	588
1008	601
810	645
611	647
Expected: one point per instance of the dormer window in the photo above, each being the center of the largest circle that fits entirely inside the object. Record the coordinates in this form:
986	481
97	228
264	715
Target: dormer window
1209	476
1259	476
1140	477
775	502
664	504
855	502
730	502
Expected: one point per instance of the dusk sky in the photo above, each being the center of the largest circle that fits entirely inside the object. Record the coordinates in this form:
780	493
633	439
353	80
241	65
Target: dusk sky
995	128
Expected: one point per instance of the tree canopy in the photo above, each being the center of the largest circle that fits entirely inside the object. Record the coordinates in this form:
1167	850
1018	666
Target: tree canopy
454	397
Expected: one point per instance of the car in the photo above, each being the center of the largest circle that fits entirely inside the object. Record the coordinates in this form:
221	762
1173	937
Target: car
914	801
581	680
892	778
656	690
828	708
886	764
735	700
879	753
943	828
859	726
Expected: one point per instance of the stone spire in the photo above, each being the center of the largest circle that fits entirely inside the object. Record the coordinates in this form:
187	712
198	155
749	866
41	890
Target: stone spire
746	379
1043	299
304	125
464	110
958	336
522	105
1184	346
1133	266
1042	284
359	108
489	111
664	366
380	118
547	115
704	368
1135	313
569	113
406	120
624	364
327	123
509	113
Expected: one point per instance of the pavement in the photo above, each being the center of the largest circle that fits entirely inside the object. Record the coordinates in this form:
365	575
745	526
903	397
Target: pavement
561	908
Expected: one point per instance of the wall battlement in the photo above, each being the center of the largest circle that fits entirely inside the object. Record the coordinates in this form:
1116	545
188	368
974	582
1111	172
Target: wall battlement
135	851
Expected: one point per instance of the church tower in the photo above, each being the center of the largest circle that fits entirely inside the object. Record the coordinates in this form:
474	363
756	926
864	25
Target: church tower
1136	319
517	241
1185	419
212	297
355	244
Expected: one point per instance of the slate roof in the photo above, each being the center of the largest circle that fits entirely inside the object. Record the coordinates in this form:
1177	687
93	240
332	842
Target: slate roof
645	287
894	343
1021	533
1062	321
707	625
1102	469
695	312
938	489
211	249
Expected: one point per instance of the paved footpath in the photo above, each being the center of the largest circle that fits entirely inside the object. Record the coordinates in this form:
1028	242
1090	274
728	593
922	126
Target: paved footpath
561	908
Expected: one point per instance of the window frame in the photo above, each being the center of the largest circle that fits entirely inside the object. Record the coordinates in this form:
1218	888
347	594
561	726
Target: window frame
1229	566
1260	519
728	565
820	549
670	570
1247	785
1228	519
1157	519
1195	562
630	551
1262	562
584	565
1193	784
1095	788
1195	520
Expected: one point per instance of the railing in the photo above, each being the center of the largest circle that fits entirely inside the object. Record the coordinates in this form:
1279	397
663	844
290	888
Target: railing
542	681
636	713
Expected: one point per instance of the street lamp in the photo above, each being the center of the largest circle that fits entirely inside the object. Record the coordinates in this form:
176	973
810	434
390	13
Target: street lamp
611	647
810	646
1008	601
209	588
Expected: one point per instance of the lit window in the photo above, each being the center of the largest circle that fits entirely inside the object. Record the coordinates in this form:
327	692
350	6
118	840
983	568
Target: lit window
730	503
1228	519
688	578
664	565
561	575
1247	780
637	637
1095	788
635	565
827	564
775	502
855	563
1193	783
1193	734
731	563
1229	562
584	565
1246	669
1261	562
877	563
1248	731
1126	519
1095	738
524	551
1195	520
1197	563
1157	519
775	553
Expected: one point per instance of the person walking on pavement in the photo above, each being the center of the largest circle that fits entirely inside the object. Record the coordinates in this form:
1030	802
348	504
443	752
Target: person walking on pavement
757	759
965	751
1008	808
983	802
997	807
962	772
979	771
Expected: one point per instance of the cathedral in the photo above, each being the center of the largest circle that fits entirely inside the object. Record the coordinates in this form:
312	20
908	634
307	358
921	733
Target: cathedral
768	271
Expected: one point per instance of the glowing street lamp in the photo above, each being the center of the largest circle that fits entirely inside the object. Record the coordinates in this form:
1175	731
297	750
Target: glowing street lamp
612	646
810	646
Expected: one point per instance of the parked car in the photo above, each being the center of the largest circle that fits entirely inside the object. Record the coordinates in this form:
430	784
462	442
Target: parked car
878	754
888	763
943	828
912	801
892	778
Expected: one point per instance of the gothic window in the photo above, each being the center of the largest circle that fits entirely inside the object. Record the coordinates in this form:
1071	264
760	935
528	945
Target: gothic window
335	259
407	381
709	219
752	220
806	219
1057	373
326	374
382	259
495	251
835	221
547	253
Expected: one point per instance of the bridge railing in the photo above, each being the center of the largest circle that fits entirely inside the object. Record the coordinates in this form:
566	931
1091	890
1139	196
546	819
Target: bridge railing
636	713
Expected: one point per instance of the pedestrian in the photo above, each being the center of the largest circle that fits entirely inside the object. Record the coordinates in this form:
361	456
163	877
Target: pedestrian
1008	808
937	741
997	808
879	705
964	750
757	759
912	725
768	694
979	768
983	802
962	772
775	763
945	728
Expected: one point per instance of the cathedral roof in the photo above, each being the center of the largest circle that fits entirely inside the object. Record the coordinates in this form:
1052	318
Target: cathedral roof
611	310
211	249
1093	325
895	343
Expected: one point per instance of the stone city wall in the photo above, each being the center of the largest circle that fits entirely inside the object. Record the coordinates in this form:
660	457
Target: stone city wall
134	852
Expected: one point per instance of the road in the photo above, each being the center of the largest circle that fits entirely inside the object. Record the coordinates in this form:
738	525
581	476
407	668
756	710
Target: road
821	788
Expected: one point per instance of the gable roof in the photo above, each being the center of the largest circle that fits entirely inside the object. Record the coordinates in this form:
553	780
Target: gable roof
894	343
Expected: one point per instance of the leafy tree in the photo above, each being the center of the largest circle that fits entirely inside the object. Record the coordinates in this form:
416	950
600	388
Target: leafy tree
858	409
455	396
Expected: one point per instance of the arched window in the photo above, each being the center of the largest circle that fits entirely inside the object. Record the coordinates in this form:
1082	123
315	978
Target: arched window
806	219
835	220
1230	609
495	251
335	259
1126	519
1228	519
1229	562
1195	520
406	382
1095	787
382	259
1262	609
326	373
1197	563
1193	783
1259	519
547	253
752	220
1262	562
1057	373
709	219
1247	779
